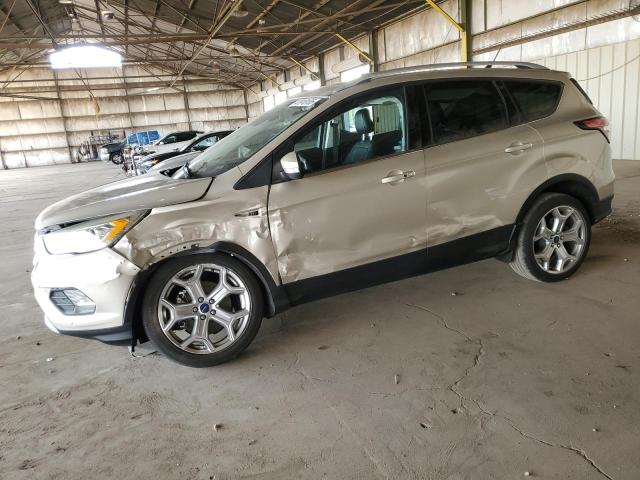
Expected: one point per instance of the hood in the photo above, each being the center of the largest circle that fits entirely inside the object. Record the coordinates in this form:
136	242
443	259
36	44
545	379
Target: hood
174	162
138	193
155	156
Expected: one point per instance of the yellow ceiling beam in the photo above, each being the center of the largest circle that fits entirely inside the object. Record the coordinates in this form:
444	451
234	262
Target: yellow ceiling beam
464	54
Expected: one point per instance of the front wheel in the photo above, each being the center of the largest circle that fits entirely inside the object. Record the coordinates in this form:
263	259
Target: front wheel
202	310
553	240
116	158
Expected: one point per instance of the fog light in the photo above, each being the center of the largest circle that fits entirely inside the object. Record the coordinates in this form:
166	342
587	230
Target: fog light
71	301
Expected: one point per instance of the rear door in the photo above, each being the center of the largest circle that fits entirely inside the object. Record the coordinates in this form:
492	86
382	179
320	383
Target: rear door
362	199
481	167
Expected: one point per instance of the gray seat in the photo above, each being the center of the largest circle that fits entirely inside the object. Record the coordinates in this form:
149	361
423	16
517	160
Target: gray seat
363	149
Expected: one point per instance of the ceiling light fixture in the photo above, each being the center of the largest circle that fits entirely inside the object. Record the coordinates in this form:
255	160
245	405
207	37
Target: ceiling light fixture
65	2
241	11
85	56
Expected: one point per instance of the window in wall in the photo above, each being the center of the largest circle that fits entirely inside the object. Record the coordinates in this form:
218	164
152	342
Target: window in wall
293	91
372	128
268	103
314	85
280	97
353	73
535	99
462	109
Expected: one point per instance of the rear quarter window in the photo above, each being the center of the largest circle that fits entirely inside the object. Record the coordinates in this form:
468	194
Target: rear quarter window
535	98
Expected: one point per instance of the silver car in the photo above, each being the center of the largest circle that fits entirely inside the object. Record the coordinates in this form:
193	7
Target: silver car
393	175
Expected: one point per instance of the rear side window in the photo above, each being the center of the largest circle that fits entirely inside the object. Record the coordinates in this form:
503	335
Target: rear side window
185	136
463	109
536	99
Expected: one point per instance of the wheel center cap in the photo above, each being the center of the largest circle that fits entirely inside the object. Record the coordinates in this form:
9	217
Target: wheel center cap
556	239
204	307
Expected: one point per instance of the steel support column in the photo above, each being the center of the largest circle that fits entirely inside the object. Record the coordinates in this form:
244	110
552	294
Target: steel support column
465	50
373	50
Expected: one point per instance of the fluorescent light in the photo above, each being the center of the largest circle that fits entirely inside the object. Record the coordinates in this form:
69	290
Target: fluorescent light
85	56
153	89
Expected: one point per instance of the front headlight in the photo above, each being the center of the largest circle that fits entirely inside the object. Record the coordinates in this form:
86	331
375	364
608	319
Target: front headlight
91	235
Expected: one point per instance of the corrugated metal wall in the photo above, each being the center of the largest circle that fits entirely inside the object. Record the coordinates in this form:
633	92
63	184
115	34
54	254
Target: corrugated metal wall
44	132
610	75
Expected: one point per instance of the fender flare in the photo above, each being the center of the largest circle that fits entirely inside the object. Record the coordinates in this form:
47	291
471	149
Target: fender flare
275	295
572	184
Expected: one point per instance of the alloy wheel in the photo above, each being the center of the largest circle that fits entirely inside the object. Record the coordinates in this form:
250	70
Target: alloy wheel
559	239
204	308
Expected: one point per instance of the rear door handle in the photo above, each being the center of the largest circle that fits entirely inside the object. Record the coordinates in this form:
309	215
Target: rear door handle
395	177
518	147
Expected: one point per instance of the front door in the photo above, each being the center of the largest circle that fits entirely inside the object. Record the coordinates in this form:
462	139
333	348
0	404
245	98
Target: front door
361	201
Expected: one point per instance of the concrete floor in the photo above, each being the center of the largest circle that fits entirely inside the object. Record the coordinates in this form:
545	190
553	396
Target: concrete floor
506	377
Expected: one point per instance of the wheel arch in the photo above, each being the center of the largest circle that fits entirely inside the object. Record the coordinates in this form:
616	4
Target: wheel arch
274	295
571	184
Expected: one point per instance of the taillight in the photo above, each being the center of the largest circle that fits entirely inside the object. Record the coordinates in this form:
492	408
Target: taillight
595	123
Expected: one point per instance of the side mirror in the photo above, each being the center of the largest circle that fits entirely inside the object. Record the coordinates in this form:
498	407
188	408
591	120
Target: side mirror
291	166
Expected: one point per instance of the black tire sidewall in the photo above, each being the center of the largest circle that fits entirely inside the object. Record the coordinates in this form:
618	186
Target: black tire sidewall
531	220
152	296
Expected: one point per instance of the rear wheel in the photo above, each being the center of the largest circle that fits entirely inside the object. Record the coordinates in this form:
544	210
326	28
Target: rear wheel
116	158
202	310
553	240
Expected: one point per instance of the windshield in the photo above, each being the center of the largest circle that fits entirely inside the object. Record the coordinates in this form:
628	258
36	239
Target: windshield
234	149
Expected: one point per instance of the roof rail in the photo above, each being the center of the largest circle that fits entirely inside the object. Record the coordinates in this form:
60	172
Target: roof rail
440	66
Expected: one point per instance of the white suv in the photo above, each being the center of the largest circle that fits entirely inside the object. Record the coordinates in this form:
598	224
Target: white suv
396	174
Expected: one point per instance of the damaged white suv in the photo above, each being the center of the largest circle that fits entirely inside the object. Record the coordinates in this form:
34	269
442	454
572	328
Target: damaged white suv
396	174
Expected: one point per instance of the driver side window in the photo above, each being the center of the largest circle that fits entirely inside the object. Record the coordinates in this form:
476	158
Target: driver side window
366	129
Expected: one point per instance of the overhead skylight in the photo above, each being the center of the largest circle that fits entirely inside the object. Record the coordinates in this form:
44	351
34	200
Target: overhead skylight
85	56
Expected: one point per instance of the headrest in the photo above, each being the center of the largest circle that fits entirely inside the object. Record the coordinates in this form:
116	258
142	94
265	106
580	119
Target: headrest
363	121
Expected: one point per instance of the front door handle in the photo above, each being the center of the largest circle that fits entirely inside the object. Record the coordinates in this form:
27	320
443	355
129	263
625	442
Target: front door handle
395	177
517	148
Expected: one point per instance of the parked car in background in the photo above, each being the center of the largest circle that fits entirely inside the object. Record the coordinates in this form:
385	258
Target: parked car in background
171	142
397	174
197	145
172	164
113	152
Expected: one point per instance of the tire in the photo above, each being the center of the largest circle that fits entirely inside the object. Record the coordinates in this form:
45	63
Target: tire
553	250
116	158
170	321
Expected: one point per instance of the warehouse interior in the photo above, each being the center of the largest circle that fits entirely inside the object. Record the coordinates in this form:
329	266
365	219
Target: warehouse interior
466	373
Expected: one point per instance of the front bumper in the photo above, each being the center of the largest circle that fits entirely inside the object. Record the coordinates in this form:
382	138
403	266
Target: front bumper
104	276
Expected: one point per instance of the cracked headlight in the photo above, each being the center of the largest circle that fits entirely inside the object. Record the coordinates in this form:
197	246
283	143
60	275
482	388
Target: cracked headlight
90	235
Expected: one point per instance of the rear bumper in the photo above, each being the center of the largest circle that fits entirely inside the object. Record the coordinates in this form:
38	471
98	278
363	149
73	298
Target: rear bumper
602	209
